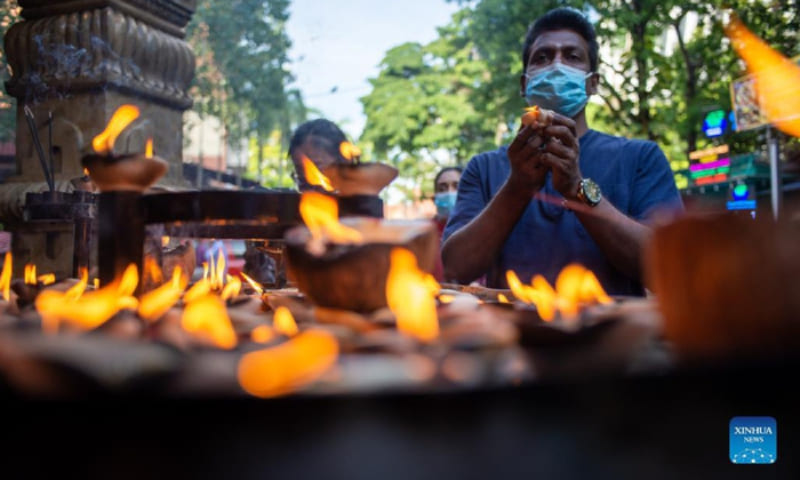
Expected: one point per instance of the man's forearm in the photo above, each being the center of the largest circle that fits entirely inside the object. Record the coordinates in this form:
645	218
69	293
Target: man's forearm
470	251
620	237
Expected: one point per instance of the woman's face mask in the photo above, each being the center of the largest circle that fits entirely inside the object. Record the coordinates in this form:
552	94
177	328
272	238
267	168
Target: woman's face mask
558	87
445	202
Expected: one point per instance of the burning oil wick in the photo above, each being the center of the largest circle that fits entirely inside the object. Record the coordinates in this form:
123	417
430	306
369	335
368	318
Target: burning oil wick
38	145
103	143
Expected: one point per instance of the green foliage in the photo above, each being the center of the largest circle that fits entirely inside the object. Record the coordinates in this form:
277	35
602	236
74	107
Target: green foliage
242	73
9	14
461	92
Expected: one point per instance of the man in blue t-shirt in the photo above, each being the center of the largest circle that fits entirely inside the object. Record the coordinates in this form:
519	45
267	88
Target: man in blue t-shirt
562	193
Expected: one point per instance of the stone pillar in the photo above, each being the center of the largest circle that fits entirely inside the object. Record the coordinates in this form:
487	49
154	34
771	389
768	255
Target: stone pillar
81	59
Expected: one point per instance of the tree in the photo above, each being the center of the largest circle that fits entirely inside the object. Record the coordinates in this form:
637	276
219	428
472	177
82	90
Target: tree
8	16
242	72
649	89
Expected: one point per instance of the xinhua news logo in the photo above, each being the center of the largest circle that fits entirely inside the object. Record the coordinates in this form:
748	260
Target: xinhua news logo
753	440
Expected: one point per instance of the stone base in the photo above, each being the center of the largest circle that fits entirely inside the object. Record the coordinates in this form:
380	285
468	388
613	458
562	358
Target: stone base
89	113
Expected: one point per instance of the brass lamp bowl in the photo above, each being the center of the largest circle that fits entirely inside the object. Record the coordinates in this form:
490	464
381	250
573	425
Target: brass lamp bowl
133	172
360	178
353	277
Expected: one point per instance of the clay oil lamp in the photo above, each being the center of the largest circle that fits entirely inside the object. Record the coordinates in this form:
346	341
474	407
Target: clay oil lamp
28	287
355	177
727	287
549	315
344	264
128	172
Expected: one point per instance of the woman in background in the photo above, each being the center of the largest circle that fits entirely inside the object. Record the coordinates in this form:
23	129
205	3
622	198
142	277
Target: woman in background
445	187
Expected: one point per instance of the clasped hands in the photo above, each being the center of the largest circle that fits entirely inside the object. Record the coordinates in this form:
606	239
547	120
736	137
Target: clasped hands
554	148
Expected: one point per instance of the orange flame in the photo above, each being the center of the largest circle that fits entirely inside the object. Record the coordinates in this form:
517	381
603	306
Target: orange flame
320	214
349	151
314	176
96	283
214	271
164	241
207	318
262	334
30	274
575	286
157	302
47	278
502	298
256	286
232	287
104	142
152	271
776	78
290	366
199	289
148	148
531	115
284	323
85	172
5	277
445	299
90	310
410	293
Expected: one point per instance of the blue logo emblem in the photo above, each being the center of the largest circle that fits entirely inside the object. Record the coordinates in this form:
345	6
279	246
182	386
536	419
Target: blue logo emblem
753	440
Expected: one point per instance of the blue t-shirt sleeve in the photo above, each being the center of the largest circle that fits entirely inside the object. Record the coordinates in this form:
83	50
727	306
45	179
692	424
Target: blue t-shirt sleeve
471	199
653	184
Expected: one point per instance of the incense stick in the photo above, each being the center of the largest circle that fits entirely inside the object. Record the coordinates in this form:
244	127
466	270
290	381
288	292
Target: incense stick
38	144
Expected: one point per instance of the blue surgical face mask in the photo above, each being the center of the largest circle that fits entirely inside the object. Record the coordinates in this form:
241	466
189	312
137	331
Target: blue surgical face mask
558	87
445	202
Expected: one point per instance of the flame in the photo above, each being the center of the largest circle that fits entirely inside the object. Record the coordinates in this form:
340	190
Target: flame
157	302
148	148
207	318
214	271
90	310
410	293
349	151
287	367
232	287
152	271
32	279
445	299
262	334
283	322
314	176
104	142
96	283
531	115
218	276
256	286
502	298
776	78
85	172
5	277
575	286
164	241
199	289
320	214
30	274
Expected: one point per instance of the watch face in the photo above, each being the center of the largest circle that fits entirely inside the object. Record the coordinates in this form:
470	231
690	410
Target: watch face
592	191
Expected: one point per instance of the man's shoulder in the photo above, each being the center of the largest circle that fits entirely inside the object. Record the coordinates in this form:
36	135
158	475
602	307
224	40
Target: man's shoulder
615	141
490	156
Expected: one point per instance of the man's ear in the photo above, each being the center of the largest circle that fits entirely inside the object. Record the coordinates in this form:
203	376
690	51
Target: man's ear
592	83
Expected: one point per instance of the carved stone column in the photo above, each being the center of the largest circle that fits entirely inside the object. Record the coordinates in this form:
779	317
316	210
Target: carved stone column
81	59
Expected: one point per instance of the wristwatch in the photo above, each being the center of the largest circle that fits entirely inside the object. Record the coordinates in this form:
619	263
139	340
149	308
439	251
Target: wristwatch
589	192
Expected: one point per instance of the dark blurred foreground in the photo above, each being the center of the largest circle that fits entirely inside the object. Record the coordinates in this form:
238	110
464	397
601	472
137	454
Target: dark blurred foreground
668	427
